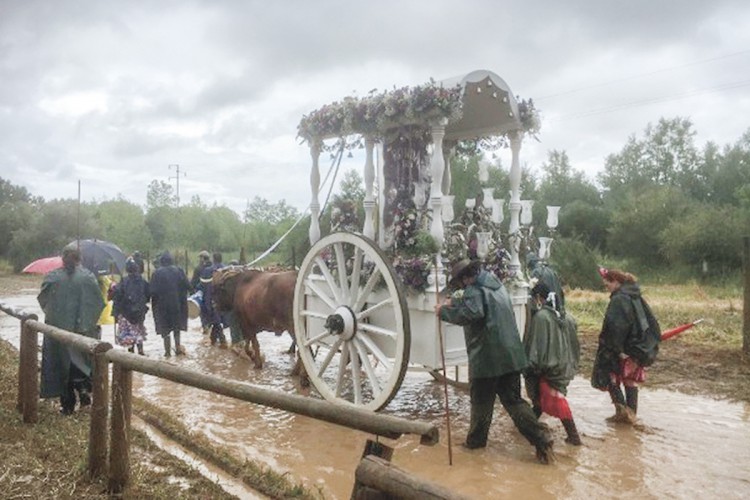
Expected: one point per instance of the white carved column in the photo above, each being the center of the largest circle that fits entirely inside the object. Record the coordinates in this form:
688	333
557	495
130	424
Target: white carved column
314	232
447	174
519	288
369	202
437	165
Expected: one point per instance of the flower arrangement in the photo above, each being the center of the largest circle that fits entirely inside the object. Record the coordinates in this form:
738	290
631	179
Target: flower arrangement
344	216
461	242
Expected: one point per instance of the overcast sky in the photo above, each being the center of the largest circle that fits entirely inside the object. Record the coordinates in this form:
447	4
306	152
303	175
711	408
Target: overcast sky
112	93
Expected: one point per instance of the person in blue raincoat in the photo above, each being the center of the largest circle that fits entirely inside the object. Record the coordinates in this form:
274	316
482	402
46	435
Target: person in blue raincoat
214	319
71	300
496	356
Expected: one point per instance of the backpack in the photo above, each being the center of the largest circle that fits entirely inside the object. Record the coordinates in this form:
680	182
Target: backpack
133	305
643	342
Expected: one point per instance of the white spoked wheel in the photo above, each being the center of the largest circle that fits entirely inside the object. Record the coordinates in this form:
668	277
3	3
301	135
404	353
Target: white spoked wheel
351	322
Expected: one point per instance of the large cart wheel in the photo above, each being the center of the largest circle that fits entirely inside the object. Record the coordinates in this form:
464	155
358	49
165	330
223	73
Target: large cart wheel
351	322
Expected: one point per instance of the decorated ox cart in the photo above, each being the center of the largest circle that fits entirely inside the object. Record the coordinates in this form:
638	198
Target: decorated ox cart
358	326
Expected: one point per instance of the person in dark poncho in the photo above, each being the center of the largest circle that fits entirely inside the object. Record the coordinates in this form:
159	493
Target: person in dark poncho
169	287
552	347
628	341
496	356
71	300
214	319
130	298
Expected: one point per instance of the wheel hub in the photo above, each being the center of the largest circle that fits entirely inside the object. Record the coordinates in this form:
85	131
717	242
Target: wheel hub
342	322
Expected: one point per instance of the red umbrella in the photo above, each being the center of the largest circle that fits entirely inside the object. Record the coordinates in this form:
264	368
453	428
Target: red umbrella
43	266
679	329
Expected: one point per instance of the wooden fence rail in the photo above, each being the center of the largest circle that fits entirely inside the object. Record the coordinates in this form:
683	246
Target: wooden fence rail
125	363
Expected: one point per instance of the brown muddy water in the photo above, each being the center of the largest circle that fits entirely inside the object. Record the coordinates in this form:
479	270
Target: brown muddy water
685	447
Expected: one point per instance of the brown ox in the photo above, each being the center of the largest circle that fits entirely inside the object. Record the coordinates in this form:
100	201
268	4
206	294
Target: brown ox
260	300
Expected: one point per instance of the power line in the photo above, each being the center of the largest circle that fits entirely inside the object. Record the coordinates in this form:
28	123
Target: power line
177	177
642	75
655	100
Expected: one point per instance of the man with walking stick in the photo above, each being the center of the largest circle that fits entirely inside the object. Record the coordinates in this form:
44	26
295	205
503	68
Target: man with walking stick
496	355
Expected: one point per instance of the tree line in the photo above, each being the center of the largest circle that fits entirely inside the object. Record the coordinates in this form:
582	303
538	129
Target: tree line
661	201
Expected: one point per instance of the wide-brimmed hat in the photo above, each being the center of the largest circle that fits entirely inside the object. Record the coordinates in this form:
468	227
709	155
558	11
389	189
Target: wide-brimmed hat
465	267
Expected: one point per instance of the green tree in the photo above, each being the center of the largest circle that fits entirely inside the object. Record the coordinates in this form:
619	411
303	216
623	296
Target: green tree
123	223
160	194
638	223
729	177
54	225
666	156
17	206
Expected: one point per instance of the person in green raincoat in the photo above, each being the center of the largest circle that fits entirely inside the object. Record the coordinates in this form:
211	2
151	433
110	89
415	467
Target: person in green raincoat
496	356
71	300
541	271
551	345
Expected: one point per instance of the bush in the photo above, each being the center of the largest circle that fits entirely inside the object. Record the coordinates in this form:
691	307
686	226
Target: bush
575	263
707	233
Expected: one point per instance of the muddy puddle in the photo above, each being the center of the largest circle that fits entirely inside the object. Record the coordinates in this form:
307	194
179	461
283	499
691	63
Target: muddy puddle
685	447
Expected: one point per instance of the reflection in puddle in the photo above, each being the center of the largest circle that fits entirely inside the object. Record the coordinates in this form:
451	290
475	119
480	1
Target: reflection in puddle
686	447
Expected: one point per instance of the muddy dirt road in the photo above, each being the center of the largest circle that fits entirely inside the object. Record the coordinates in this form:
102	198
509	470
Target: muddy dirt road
686	447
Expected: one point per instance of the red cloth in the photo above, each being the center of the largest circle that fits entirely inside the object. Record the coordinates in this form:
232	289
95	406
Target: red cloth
631	373
553	402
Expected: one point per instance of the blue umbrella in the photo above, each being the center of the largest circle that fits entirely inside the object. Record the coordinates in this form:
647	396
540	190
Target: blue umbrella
98	256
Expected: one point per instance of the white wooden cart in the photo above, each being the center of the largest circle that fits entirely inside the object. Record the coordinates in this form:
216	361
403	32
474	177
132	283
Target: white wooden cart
357	328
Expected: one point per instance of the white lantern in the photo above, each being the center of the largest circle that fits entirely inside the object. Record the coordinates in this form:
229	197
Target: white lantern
526	214
497	211
487	201
471	202
545	244
483	244
448	208
552	213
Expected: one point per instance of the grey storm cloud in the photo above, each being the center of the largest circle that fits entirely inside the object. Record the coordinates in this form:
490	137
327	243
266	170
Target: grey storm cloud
218	84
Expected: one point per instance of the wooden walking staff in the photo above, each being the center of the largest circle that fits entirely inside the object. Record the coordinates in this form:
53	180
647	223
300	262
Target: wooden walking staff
442	359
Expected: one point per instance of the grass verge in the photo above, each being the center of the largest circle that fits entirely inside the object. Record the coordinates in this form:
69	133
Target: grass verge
260	478
48	459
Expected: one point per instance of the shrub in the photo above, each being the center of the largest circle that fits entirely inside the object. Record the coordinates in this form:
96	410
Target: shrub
575	263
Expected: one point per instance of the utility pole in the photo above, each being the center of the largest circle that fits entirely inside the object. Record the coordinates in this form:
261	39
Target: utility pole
177	178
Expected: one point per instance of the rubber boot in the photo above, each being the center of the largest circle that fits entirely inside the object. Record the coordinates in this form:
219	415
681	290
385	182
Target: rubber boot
130	349
573	437
537	411
177	346
631	396
545	454
167	346
140	348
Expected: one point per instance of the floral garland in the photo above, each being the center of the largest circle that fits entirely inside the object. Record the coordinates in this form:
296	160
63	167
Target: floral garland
375	114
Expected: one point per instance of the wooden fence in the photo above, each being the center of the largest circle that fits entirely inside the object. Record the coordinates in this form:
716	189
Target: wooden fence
109	449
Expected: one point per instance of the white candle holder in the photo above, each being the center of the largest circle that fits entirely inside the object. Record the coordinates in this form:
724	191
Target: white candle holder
483	244
552	216
487	198
497	211
526	214
448	214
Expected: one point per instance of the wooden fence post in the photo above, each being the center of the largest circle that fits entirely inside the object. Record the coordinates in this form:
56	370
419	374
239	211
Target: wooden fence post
119	439
99	412
377	479
28	372
746	303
